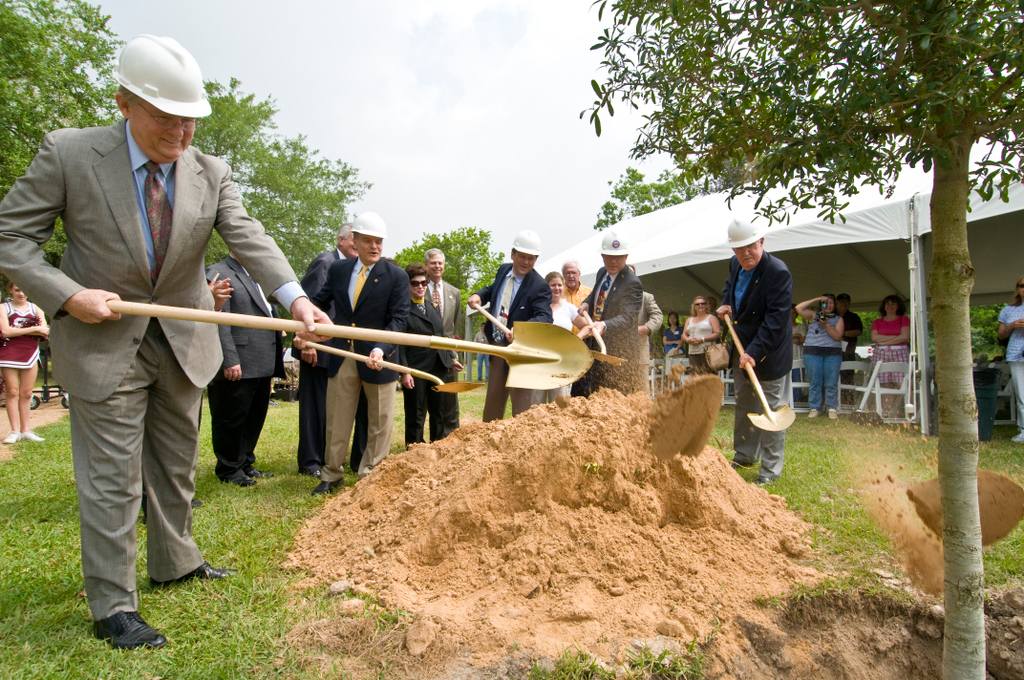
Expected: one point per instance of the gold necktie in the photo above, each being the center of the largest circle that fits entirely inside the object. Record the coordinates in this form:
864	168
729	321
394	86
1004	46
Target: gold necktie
360	282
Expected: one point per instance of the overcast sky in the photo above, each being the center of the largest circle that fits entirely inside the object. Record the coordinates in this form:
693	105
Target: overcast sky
461	113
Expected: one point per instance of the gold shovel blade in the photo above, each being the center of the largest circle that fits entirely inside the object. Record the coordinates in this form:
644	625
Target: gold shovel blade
547	357
607	358
456	387
1000	502
784	417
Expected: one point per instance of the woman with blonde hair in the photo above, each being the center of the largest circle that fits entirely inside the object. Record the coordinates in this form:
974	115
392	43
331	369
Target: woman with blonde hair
700	331
1011	328
22	326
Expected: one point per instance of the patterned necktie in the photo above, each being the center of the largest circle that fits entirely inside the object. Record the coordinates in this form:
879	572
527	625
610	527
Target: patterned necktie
506	302
601	294
437	296
360	281
158	211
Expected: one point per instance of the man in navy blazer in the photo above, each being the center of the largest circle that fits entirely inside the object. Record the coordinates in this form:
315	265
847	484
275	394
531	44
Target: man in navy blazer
313	369
758	296
368	292
528	299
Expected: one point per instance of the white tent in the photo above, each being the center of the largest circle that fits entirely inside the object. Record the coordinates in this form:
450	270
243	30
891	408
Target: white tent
882	248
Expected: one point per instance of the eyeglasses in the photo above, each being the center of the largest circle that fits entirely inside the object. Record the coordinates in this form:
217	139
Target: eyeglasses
417	283
165	122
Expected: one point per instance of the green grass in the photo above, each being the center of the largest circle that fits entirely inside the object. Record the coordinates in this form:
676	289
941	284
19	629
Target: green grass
236	628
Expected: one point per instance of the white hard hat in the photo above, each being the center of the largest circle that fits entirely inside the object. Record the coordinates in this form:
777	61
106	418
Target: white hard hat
164	74
371	224
744	233
612	244
527	242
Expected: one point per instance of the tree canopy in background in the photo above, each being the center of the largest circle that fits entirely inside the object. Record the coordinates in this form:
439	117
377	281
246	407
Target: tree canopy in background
55	64
469	262
821	98
631	196
300	198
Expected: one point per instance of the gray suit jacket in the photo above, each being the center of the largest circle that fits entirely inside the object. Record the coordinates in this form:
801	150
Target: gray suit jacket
256	350
84	178
453	312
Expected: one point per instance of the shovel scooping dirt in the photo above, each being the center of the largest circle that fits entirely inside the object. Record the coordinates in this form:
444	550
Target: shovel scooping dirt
1001	501
681	420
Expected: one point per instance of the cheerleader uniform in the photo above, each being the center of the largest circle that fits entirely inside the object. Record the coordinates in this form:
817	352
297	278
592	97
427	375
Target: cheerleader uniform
21	351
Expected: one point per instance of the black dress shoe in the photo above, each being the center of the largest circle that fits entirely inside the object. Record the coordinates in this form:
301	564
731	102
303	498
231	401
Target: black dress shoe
196	504
327	487
257	474
239	478
310	472
126	630
203	571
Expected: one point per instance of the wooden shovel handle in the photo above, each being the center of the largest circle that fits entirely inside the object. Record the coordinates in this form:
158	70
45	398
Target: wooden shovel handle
386	364
750	371
487	315
597	336
328	330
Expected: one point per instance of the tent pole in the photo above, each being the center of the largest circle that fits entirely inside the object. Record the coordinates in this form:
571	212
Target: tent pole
919	324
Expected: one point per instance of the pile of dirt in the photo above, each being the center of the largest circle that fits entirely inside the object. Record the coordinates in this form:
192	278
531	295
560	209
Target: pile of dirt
557	529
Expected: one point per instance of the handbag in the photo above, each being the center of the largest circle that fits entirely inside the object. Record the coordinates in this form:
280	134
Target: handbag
717	356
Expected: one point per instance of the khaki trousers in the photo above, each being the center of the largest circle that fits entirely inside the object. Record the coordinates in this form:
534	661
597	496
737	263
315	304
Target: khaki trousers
342	399
498	394
147	430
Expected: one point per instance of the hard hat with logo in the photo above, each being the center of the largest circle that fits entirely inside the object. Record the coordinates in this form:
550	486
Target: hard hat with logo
164	74
613	244
527	242
371	224
744	233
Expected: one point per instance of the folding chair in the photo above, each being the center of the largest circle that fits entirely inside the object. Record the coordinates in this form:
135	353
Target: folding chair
861	378
804	406
1006	393
876	390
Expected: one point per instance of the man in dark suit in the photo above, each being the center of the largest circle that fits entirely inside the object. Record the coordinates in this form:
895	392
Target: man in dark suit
517	294
614	307
138	206
240	393
368	292
758	295
313	374
424	319
448	301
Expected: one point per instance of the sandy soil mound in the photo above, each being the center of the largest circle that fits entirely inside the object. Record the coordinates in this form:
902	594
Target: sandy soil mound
556	529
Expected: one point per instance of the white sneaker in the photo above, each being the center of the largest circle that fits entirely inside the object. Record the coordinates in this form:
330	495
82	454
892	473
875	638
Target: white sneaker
813	413
1019	439
832	414
31	436
12	437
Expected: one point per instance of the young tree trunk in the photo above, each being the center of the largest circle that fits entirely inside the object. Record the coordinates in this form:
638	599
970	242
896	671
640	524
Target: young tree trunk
951	280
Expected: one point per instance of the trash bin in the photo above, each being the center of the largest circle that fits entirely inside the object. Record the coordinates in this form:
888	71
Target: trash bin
986	388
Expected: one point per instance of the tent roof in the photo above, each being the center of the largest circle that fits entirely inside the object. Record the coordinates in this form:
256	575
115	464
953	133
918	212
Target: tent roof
682	251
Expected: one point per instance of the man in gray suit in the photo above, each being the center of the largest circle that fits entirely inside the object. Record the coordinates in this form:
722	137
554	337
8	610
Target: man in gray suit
447	299
138	207
240	393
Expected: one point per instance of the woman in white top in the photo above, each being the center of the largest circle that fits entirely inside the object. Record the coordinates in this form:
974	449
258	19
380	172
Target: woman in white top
563	314
700	331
